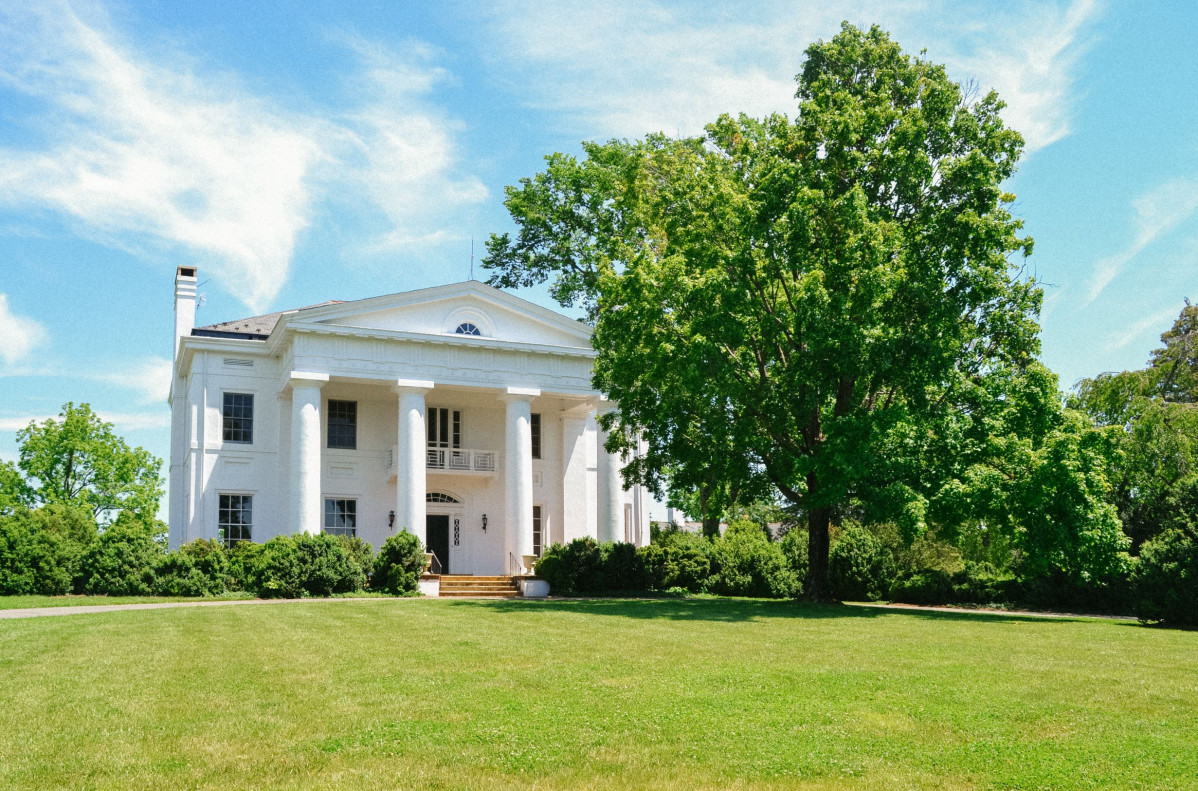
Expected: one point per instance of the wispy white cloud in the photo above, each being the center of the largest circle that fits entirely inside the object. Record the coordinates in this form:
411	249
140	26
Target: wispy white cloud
1030	57
124	421
402	151
628	67
163	156
1157	322
1158	211
19	335
148	377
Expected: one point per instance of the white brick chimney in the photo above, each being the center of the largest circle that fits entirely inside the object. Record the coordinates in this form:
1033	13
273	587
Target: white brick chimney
185	304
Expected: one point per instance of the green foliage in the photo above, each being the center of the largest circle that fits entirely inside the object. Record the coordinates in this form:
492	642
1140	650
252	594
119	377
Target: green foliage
14	492
399	564
744	562
861	566
794	549
930	586
801	299
199	568
676	566
121	562
574	568
243	558
78	459
361	553
301	565
1165	579
32	559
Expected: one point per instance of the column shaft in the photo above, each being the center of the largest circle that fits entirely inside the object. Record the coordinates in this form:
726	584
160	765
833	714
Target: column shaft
410	460
305	454
518	472
608	482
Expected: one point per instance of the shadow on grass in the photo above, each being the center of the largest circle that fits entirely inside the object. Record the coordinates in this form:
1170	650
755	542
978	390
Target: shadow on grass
737	610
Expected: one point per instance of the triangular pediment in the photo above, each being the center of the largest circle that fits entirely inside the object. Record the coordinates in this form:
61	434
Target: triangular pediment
472	306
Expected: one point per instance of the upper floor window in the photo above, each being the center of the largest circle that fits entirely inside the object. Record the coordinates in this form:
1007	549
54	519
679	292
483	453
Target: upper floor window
343	424
341	517
468	328
238	417
444	428
535	425
235	518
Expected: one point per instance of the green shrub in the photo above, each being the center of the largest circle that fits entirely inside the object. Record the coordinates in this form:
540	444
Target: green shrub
981	583
678	567
361	553
305	565
243	557
121	562
744	562
1165	579
794	549
623	569
860	566
927	586
399	564
33	560
198	568
585	566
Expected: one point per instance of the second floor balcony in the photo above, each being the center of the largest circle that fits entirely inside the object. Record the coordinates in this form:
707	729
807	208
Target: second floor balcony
461	461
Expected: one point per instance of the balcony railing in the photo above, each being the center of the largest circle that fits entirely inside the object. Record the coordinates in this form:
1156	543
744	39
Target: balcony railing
462	460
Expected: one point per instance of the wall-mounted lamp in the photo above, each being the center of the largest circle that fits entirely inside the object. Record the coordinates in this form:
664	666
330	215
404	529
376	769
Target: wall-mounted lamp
391	520
484	523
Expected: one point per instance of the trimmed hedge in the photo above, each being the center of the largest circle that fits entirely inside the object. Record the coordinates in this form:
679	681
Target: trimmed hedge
300	565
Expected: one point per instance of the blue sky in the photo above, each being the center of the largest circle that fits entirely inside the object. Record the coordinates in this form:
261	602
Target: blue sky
298	152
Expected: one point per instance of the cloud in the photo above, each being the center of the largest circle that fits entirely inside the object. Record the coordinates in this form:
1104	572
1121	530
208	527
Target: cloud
124	421
401	150
1157	212
1030	58
19	335
157	156
1159	321
150	377
629	67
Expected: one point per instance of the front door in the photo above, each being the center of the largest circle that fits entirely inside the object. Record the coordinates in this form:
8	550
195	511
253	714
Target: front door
437	538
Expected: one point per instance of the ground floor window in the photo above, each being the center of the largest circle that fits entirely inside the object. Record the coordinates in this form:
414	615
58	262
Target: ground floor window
537	533
341	517
235	518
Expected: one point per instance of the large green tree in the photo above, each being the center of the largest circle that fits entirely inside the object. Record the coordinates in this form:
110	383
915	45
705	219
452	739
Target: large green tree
1154	412
835	280
79	460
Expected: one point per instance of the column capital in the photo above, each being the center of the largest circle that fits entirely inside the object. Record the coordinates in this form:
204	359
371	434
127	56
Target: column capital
418	386
603	406
307	379
517	394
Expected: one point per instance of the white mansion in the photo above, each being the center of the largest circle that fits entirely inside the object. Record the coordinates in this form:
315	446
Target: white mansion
460	413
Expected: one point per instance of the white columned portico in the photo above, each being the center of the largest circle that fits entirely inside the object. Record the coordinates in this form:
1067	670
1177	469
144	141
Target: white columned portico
305	451
411	459
608	484
518	471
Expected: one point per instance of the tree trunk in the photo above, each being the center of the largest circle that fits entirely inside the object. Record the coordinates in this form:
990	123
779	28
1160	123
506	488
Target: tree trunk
711	525
819	587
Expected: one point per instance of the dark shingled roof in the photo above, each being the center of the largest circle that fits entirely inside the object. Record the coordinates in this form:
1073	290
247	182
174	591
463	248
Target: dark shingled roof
254	327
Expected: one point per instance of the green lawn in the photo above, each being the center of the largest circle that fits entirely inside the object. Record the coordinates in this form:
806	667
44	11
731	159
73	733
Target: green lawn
28	602
678	694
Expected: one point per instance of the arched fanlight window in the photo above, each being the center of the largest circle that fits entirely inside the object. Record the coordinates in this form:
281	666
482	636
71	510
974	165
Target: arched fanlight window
439	497
468	328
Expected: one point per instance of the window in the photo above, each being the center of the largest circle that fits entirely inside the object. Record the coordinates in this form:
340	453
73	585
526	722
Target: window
467	328
343	424
235	518
535	425
537	537
627	523
440	497
444	428
341	517
238	417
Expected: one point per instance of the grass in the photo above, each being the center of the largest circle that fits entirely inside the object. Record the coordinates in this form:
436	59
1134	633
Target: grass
666	694
29	602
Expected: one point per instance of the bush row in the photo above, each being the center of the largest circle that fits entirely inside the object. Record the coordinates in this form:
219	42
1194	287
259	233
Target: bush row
57	550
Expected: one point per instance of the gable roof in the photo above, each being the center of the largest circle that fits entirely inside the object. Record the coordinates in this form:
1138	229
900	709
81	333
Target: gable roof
262	327
253	327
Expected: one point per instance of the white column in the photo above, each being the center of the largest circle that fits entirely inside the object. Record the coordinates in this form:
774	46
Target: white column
517	466
575	496
305	451
411	458
607	472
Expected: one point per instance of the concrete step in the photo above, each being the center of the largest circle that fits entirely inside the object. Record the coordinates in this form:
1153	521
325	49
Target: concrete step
470	578
509	594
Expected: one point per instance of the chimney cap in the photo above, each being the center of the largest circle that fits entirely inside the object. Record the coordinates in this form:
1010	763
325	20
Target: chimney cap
186	271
